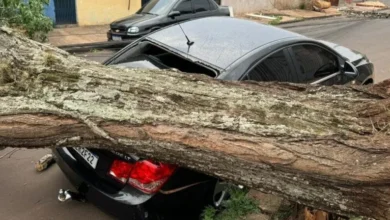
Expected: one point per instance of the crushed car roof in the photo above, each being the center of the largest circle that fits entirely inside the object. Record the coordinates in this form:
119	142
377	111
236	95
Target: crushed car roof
220	40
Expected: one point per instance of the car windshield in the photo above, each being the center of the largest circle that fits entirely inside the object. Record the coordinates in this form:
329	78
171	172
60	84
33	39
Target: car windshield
150	56
157	7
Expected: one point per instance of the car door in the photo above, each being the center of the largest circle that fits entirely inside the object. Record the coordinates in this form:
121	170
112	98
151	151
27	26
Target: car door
277	66
316	65
203	8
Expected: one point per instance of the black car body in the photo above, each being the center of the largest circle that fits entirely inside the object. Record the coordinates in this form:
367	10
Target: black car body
223	48
235	49
160	13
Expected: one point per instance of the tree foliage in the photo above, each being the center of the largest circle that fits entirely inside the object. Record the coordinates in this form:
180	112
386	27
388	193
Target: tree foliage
27	15
237	207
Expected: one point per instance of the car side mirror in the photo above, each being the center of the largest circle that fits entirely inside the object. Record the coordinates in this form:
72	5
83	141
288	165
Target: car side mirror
350	70
173	14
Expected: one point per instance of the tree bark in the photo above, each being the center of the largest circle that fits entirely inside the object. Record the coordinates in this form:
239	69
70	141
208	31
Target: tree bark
326	147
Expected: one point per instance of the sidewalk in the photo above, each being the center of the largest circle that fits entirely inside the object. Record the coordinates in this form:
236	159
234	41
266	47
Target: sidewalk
78	35
287	16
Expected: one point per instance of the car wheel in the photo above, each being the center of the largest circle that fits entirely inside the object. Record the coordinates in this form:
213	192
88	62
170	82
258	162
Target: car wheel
220	193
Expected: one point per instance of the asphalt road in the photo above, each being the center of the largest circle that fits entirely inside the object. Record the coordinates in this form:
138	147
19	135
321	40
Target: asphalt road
26	194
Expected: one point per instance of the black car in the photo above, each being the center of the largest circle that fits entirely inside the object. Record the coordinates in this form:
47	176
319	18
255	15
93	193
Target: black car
160	13
220	47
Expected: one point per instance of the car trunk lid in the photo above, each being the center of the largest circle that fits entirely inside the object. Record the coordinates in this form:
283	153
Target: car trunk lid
99	176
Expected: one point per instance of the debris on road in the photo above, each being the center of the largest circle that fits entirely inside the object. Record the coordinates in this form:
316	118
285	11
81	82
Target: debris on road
315	214
275	16
367	14
321	4
375	4
44	162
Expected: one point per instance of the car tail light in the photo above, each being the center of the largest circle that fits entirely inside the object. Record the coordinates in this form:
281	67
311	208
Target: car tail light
120	170
149	177
144	175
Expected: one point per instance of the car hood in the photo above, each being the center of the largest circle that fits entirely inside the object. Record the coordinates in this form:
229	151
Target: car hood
132	20
351	55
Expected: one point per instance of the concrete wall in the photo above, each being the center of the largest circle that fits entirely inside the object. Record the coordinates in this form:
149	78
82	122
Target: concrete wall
246	6
98	12
289	4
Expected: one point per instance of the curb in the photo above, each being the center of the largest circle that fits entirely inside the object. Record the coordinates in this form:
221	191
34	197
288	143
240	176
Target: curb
308	19
368	14
78	48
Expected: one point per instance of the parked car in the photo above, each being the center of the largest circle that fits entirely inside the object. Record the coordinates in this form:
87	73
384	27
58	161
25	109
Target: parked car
220	47
160	13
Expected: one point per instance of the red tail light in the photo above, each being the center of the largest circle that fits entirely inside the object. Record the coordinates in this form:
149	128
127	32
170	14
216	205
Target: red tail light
149	177
143	175
120	170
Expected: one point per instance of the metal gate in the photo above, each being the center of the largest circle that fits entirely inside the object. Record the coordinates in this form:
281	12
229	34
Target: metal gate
65	11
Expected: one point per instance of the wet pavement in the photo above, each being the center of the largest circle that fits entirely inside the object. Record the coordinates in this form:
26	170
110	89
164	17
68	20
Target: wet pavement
26	194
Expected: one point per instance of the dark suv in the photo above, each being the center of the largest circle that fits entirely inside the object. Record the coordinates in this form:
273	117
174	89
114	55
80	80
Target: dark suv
159	13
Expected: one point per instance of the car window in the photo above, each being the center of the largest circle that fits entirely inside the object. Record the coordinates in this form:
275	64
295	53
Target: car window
314	62
149	55
201	5
158	7
184	7
273	68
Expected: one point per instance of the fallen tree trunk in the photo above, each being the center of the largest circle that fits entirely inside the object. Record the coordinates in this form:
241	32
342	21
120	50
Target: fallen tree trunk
326	147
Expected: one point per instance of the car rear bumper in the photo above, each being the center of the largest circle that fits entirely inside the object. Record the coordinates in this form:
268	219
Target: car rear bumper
110	203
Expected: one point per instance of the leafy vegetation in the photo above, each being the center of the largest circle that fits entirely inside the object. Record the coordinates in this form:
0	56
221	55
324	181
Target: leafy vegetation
238	206
26	15
276	21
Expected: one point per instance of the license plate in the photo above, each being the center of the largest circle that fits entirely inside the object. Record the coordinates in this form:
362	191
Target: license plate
116	38
88	156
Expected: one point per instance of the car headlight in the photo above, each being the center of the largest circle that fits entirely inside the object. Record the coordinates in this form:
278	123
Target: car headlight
133	30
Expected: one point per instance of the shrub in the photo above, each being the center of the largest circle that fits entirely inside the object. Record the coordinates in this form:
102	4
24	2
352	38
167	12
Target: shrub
28	16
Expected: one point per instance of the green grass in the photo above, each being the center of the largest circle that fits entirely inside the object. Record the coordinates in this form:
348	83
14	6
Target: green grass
209	213
276	21
238	206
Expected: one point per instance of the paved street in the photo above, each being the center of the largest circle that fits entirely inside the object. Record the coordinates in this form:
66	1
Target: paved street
26	194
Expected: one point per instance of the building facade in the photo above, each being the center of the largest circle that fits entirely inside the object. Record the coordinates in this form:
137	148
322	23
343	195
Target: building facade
90	12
